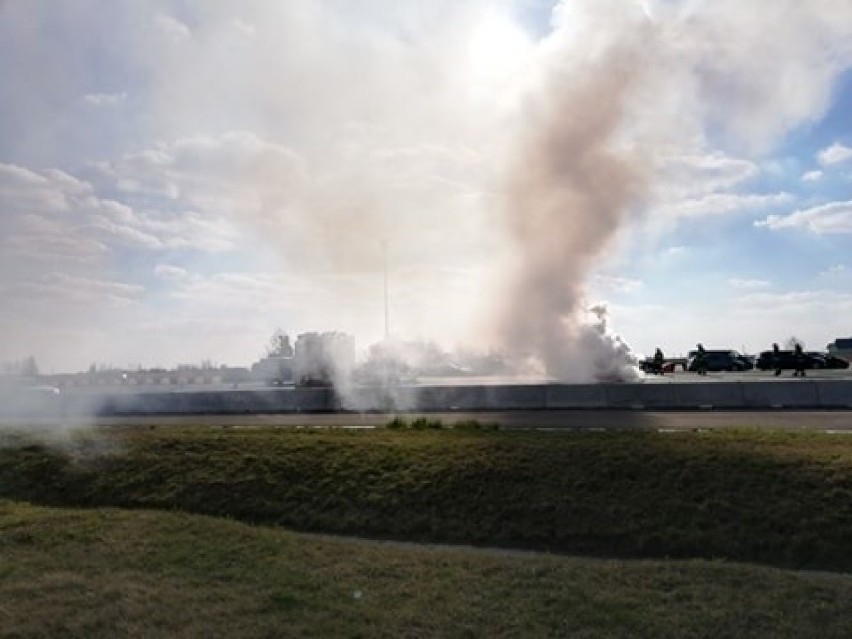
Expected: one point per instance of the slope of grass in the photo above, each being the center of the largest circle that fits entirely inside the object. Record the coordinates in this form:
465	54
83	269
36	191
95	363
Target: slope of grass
113	573
777	498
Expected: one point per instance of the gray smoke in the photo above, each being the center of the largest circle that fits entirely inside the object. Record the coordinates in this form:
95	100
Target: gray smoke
567	196
618	87
315	130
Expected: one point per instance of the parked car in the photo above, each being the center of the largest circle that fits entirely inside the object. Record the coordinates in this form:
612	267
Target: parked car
724	360
831	361
766	361
841	347
749	361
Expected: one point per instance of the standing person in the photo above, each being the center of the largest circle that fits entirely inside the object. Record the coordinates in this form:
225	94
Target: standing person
799	356
776	359
700	360
658	361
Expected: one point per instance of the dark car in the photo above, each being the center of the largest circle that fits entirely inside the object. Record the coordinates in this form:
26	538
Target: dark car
831	361
720	361
748	360
766	361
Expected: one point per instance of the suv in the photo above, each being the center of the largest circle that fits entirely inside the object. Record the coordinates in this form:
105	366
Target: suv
720	361
766	361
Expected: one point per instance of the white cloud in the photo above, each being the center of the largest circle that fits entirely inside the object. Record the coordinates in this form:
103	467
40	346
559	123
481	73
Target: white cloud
105	99
806	45
56	290
836	269
246	29
674	251
723	204
319	216
42	226
170	272
58	207
682	176
618	284
747	284
812	176
124	234
836	273
24	191
834	154
44	239
800	303
831	218
172	27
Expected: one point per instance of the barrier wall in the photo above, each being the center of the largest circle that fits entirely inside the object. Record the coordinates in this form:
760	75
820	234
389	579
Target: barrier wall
750	395
834	393
716	395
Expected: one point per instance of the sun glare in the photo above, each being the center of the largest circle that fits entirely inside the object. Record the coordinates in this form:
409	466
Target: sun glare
497	51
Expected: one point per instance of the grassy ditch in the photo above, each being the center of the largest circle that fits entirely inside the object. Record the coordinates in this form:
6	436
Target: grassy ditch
118	573
777	498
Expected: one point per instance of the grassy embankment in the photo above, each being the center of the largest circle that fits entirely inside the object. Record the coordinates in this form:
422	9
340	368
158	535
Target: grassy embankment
117	573
776	498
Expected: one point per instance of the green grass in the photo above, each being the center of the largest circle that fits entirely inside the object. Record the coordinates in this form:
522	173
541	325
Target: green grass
783	499
118	573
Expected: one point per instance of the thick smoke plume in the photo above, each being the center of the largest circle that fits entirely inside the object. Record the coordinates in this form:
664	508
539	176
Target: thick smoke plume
568	194
193	173
621	87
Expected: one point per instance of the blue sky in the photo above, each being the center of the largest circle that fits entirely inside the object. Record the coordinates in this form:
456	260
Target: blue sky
179	178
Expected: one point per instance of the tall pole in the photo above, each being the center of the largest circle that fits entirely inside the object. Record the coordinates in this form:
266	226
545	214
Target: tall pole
385	271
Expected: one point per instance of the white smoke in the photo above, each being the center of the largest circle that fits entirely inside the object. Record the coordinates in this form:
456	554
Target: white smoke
320	129
619	87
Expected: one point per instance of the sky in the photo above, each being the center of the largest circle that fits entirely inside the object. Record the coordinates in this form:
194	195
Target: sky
179	178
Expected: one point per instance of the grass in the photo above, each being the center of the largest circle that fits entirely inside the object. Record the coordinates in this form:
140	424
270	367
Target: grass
783	499
119	573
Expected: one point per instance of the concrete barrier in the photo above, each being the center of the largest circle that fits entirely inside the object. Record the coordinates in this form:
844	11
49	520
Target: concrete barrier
708	395
186	403
639	396
787	394
827	394
451	398
526	397
366	399
313	400
834	393
576	396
